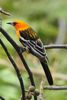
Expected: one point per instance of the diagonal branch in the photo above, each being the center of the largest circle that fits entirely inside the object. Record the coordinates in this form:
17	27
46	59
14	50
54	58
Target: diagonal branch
1	98
4	12
18	49
16	69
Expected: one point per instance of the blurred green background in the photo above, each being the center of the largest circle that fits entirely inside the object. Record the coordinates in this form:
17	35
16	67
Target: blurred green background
49	19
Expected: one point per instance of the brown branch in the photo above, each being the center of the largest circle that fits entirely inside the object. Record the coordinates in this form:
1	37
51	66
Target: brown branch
55	88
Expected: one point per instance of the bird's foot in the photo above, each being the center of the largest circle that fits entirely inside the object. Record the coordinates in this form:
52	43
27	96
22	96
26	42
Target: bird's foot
22	49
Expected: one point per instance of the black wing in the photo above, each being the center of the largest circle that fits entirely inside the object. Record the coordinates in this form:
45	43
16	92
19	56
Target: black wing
38	48
30	38
29	34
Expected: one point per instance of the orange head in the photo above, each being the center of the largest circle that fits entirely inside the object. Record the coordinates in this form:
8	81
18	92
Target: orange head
19	25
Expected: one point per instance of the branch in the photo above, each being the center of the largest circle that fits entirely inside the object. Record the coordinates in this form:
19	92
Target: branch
4	12
16	69
55	88
18	49
60	46
2	98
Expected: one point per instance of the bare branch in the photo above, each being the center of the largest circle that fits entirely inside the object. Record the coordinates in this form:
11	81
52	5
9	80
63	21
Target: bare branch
4	12
60	46
55	88
16	69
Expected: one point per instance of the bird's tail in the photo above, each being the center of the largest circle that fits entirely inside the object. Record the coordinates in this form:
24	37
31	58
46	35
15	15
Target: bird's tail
47	72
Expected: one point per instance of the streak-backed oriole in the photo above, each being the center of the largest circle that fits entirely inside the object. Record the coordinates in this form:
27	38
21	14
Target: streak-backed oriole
29	38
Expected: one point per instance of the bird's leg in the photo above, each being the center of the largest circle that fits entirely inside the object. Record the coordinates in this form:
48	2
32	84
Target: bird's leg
27	49
22	49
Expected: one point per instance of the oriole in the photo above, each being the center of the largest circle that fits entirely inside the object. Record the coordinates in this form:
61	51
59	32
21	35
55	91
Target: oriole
29	38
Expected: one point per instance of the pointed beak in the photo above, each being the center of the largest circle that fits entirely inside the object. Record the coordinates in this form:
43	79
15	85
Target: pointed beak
10	23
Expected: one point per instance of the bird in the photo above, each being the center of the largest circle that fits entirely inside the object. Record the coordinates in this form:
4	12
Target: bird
33	44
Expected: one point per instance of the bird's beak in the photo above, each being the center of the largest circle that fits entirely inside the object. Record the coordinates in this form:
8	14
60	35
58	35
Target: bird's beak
10	23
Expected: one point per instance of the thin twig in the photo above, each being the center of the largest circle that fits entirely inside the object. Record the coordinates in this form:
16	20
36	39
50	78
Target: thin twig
16	69
55	46
4	12
41	96
18	49
55	88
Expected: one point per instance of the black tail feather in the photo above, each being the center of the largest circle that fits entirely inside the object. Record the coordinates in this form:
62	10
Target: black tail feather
47	72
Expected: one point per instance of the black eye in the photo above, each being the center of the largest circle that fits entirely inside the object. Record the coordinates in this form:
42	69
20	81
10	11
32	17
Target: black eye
14	23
